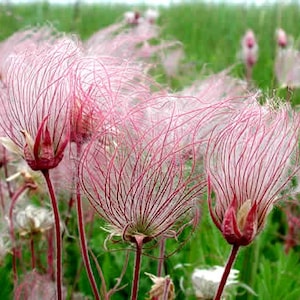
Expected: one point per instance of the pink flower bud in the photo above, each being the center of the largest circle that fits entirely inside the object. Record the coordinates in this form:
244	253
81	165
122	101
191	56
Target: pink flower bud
249	39
282	39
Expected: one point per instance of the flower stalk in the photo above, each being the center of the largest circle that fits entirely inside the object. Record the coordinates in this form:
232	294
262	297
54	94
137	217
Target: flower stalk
229	264
139	240
57	234
82	237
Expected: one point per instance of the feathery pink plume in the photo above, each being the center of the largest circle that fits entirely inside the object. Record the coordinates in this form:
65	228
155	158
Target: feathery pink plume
141	185
248	164
35	102
28	39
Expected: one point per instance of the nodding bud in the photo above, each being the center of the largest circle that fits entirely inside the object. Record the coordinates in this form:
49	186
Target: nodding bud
249	48
151	15
282	39
132	17
249	39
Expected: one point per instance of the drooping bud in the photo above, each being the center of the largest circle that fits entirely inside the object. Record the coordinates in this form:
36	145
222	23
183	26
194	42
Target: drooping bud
249	49
282	39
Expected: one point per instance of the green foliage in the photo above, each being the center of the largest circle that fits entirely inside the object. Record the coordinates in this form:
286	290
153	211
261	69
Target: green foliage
277	278
6	279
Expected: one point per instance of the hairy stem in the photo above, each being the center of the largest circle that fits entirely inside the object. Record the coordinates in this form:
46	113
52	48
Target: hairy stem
229	264
57	234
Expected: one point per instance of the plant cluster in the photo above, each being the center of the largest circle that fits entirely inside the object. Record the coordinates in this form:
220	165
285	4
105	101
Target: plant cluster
90	137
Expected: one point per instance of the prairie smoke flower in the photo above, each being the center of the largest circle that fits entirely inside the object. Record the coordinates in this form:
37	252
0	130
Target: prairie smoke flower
213	100
132	17
249	53
35	111
28	39
35	286
206	281
282	39
249	48
287	62
151	15
35	103
171	58
123	41
142	186
249	163
106	91
217	87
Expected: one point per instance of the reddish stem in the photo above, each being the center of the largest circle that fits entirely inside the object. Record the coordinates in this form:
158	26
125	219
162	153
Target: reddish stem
137	267
32	252
57	234
82	237
230	261
50	254
162	248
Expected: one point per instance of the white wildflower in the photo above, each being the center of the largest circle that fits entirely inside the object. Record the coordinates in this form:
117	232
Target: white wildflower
33	220
206	281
